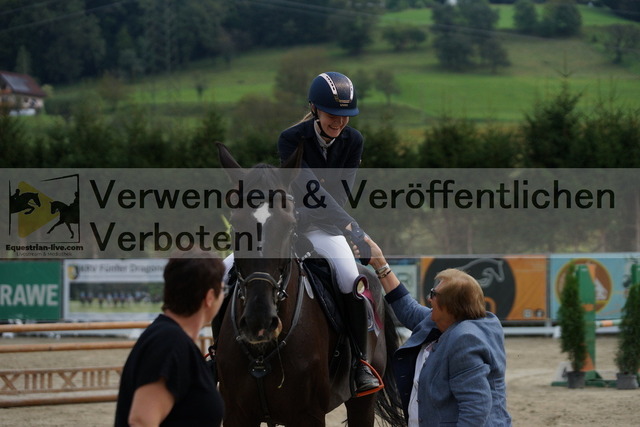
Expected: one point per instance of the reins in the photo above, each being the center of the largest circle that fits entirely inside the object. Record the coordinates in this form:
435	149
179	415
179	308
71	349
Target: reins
259	367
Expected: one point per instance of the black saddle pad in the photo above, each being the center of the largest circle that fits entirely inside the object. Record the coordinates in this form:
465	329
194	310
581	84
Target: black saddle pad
325	289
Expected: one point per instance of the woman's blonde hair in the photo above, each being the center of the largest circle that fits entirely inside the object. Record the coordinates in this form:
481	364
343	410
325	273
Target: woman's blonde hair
460	294
306	117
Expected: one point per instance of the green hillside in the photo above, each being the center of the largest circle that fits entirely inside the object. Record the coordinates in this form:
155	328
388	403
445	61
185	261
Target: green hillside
427	91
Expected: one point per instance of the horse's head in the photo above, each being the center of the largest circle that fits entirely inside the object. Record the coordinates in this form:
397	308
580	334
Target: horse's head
28	198
263	229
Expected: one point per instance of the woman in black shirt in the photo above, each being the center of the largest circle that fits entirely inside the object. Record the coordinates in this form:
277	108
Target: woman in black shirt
165	380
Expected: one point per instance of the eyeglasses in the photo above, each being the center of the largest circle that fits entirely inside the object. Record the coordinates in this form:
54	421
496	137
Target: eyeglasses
432	293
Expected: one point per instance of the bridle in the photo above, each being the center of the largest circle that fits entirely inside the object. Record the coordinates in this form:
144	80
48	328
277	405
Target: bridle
260	366
279	286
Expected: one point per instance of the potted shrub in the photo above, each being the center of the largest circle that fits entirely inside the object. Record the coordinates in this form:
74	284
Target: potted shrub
628	354
571	322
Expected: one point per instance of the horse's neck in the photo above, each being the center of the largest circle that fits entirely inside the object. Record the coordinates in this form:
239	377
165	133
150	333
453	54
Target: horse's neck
292	288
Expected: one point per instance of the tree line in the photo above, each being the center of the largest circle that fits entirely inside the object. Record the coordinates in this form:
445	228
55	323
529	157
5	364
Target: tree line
555	133
65	41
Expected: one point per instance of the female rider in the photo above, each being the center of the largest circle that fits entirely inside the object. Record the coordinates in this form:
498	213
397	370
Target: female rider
332	152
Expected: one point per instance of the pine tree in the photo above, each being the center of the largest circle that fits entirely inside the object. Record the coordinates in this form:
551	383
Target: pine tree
628	354
571	321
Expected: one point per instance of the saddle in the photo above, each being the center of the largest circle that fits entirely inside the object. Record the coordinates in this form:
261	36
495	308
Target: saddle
324	285
325	288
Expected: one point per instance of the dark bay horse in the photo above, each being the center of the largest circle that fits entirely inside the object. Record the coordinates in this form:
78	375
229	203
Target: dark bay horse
278	356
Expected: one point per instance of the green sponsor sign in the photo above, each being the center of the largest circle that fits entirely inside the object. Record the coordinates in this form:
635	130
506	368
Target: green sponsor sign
30	290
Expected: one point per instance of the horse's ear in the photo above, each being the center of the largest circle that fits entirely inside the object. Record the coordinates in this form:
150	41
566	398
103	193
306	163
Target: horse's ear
293	163
231	166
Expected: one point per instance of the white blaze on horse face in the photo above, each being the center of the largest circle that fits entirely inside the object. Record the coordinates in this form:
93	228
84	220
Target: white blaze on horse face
261	215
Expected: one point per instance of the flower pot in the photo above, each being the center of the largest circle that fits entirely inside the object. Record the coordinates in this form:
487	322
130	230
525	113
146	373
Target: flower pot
626	381
575	379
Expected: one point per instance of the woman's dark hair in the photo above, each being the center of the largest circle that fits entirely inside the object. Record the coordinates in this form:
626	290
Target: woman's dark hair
188	278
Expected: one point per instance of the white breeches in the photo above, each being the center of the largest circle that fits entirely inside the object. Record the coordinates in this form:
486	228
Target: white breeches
337	251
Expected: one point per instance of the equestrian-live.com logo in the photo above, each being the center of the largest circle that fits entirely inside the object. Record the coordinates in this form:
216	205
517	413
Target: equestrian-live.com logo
45	211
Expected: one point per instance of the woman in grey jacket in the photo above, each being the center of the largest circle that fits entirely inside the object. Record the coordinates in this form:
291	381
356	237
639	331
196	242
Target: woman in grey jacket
451	371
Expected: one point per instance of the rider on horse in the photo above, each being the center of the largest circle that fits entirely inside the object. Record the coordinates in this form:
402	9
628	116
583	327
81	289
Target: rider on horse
332	152
331	155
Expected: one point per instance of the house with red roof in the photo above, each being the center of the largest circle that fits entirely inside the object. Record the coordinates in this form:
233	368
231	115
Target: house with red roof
20	94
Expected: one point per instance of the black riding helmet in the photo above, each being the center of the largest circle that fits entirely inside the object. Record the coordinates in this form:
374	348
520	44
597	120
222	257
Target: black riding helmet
334	93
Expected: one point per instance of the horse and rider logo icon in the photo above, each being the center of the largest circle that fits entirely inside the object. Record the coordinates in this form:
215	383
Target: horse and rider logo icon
35	209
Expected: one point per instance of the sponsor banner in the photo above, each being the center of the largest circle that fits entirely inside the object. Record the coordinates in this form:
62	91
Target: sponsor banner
153	213
408	272
515	287
30	290
112	289
611	276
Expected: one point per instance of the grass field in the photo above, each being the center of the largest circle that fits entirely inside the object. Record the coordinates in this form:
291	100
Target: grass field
427	91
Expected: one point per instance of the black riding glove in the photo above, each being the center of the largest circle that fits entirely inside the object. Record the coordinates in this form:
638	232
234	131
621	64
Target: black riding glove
356	237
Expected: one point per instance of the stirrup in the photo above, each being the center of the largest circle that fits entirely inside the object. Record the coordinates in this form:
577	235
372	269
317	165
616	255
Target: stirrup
377	375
